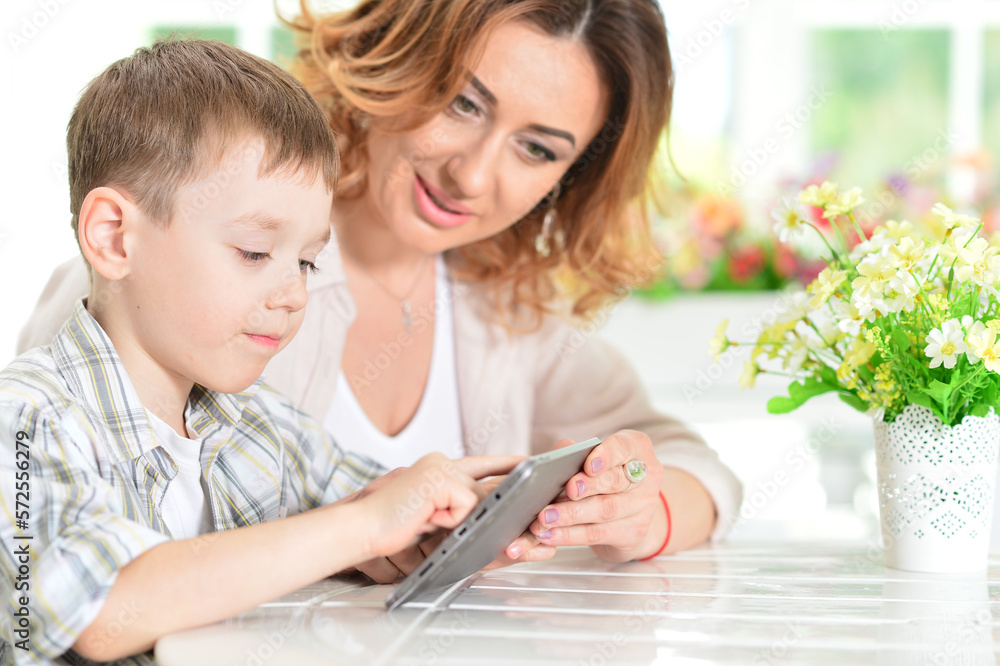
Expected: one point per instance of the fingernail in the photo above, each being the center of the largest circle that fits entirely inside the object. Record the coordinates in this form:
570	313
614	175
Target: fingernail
547	534
551	516
581	487
596	465
514	552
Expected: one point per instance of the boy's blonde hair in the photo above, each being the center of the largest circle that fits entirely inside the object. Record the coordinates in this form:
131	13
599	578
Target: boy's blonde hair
167	114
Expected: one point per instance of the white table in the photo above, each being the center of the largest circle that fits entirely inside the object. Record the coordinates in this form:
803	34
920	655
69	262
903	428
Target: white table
743	603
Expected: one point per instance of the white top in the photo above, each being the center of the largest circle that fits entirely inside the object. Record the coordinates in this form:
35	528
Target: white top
437	425
184	507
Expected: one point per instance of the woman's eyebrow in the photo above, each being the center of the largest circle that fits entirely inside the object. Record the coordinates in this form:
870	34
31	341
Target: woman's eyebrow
492	100
483	90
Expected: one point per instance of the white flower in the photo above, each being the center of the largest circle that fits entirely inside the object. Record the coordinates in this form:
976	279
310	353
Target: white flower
903	290
749	375
798	307
972	328
954	220
869	308
795	354
790	221
719	343
978	263
945	343
873	246
985	346
849	318
875	271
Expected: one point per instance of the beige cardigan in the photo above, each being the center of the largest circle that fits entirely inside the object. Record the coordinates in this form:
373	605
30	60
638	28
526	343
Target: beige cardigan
518	393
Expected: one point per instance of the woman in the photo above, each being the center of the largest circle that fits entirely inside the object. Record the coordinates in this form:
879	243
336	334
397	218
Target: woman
494	171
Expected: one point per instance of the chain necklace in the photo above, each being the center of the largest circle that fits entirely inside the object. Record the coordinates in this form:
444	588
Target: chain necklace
404	301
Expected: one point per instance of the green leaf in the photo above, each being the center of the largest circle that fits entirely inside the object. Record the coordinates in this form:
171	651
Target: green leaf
918	397
980	410
828	374
854	401
810	388
899	337
782	405
799	393
938	391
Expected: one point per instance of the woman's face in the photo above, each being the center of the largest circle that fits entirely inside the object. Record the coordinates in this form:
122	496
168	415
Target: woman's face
533	105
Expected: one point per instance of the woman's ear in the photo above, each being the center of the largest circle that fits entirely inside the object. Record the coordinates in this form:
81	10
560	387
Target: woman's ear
101	230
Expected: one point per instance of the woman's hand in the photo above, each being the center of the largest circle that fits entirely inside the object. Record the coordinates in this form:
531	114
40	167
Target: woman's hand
620	520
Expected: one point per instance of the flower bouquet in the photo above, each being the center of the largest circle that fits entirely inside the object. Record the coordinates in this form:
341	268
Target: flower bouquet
903	324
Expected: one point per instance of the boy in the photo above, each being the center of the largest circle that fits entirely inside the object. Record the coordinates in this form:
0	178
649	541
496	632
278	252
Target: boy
201	181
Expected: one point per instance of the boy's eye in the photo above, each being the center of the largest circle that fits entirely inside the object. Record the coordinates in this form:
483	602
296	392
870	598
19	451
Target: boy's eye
253	257
464	104
536	150
307	266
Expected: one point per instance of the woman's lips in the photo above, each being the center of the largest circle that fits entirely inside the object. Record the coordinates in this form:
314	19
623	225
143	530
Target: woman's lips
438	207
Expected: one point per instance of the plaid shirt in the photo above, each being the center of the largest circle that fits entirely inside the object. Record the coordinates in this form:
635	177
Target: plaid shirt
97	476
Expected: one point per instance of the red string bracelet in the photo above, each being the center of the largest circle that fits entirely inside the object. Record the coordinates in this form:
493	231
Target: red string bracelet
670	524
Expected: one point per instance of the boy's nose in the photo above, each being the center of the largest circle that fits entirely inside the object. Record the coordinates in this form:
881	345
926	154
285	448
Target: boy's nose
290	293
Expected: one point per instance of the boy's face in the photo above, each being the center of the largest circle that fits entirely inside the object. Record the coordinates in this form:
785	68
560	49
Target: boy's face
221	289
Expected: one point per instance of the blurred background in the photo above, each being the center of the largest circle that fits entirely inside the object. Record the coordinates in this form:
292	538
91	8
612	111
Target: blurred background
901	98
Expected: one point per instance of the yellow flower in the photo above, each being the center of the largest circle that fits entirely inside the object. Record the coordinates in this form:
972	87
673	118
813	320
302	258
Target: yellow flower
907	253
986	347
820	195
824	286
849	200
949	248
720	343
859	354
873	274
898	230
954	220
749	375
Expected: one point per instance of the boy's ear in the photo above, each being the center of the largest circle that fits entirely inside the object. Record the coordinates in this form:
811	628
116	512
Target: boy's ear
103	223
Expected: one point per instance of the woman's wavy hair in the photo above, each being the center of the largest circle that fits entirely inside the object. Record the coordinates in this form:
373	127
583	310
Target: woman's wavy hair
385	58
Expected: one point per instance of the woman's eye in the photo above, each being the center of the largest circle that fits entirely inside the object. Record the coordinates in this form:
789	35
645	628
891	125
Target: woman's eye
536	150
307	266
464	105
253	256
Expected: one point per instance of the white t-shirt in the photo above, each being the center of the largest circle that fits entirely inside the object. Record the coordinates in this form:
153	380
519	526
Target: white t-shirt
184	508
437	425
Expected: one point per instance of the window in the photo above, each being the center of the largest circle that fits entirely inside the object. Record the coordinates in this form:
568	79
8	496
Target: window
856	89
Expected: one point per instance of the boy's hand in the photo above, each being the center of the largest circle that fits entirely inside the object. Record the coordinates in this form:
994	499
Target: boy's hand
435	493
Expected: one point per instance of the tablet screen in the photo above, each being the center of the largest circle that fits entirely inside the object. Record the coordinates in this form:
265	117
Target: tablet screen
497	520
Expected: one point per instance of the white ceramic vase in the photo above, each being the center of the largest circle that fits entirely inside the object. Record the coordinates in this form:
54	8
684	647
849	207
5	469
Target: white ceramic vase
935	490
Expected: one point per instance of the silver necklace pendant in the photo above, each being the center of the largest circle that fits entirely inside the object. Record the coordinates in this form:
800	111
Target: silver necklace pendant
407	319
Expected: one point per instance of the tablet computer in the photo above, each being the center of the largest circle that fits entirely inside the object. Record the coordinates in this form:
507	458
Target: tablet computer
497	520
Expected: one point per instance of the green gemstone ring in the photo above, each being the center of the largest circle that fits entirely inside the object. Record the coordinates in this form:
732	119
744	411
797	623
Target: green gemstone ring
635	470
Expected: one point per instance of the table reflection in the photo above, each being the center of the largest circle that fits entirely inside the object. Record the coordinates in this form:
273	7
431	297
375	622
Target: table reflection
935	619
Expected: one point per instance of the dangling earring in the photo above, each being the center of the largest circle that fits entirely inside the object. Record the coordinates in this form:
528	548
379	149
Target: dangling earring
542	243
